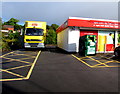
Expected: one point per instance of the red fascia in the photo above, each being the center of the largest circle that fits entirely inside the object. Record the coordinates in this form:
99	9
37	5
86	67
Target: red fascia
90	24
93	23
61	28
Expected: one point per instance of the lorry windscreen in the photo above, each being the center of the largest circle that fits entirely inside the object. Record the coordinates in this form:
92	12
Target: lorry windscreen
34	32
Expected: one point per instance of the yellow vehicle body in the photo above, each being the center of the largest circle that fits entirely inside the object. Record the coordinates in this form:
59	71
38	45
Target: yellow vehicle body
35	34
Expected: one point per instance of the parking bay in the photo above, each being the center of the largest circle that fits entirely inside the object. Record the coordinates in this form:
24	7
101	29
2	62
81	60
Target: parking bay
56	71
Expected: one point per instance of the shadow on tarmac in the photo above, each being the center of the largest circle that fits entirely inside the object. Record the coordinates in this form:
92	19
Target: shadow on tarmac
116	58
10	90
40	87
55	49
52	49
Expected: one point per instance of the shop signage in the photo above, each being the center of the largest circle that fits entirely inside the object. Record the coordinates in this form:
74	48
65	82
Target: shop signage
93	23
105	24
90	23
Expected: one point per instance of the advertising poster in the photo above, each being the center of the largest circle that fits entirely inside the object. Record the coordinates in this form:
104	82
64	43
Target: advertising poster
105	41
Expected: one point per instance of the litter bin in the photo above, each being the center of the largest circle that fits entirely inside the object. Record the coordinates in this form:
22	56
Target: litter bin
87	45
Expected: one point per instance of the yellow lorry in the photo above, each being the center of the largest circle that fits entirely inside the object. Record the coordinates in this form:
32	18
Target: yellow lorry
35	34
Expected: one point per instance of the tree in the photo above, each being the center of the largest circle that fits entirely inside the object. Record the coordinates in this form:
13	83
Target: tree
54	26
119	38
18	27
12	21
51	34
48	27
0	23
52	37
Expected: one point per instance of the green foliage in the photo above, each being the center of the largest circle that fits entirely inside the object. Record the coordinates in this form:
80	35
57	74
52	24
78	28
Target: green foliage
12	41
23	27
5	46
51	34
119	38
12	21
54	26
48	27
0	23
13	35
51	38
0	41
18	27
0	34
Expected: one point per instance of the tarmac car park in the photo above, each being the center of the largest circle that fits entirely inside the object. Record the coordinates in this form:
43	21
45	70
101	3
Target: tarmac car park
53	70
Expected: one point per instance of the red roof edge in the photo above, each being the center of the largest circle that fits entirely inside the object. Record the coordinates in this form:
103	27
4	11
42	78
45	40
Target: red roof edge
92	23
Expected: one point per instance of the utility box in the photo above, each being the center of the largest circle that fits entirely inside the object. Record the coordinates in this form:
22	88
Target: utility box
87	45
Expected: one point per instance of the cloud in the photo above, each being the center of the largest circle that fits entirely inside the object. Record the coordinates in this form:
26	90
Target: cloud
60	0
58	12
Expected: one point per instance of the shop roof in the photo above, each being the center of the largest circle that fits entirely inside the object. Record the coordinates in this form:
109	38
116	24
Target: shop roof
89	23
92	19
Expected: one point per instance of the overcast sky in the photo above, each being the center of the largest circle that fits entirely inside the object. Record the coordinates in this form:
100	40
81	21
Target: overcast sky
58	12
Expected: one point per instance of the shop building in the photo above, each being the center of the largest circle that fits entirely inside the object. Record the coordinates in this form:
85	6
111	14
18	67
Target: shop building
106	31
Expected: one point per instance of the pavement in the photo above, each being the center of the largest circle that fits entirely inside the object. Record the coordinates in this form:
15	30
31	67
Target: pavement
53	70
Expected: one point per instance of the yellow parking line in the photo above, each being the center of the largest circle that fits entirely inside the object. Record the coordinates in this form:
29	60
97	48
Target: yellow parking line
104	66
25	55
80	57
21	77
104	63
103	60
14	79
11	73
110	59
96	60
105	57
7	61
87	59
31	69
83	57
116	61
17	60
81	60
26	58
18	67
97	65
7	54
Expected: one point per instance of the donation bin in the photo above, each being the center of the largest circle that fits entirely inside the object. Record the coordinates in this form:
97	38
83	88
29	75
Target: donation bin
87	45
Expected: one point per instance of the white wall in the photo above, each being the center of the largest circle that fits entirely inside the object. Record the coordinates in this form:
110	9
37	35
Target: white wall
62	39
68	40
116	38
73	40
